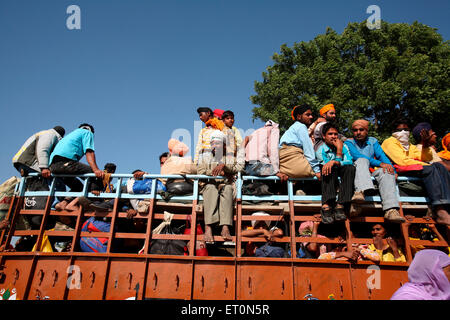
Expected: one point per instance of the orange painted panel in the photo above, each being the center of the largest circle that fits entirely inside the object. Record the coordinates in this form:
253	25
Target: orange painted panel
169	279
372	282
49	279
87	279
214	280
126	279
271	281
16	272
323	281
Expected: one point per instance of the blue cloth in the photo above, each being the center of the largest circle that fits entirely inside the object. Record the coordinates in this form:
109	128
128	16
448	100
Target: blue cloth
325	154
297	135
369	149
144	186
74	145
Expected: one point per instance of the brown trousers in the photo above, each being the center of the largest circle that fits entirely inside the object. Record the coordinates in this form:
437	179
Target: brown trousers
293	163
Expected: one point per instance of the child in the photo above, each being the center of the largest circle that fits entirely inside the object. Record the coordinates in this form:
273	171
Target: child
234	138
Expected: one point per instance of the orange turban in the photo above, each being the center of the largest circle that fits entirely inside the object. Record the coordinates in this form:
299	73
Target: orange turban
177	147
445	154
361	122
326	108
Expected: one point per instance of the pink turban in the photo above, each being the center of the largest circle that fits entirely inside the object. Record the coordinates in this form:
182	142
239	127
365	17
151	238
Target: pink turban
361	122
177	148
218	113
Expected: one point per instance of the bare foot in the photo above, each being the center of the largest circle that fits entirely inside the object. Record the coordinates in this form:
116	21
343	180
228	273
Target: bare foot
61	205
73	205
207	236
226	233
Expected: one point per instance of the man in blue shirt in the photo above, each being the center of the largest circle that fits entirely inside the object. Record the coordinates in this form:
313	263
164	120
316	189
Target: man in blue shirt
336	163
369	156
65	160
297	157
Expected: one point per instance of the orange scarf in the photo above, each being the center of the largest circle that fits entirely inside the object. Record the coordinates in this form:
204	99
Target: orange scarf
445	154
215	123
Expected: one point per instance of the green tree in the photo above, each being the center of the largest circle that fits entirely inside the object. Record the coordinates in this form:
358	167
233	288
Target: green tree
400	70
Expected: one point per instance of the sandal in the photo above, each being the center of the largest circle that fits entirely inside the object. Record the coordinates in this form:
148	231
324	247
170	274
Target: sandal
327	215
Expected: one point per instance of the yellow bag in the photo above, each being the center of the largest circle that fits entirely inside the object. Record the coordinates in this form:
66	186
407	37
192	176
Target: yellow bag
46	246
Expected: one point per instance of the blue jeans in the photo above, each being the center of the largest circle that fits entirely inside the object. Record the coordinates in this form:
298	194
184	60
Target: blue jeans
436	179
386	183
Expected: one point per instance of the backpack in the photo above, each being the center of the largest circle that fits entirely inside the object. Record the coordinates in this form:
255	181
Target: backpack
36	184
93	244
181	187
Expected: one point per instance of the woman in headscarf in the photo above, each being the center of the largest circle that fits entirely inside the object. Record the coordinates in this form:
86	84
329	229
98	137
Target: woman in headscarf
429	277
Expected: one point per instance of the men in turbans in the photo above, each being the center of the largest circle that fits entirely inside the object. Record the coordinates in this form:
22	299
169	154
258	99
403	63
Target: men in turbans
218	193
326	114
368	156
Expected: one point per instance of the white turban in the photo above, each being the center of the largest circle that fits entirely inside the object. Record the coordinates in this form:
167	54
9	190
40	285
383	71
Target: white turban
260	213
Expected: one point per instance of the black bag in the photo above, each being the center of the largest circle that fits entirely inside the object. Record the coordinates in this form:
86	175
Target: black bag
256	188
412	189
167	246
180	188
36	184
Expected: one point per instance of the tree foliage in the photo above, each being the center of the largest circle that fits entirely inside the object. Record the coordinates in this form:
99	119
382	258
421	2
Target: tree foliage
400	70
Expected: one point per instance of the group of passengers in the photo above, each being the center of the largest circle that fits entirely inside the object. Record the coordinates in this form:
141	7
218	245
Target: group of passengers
344	166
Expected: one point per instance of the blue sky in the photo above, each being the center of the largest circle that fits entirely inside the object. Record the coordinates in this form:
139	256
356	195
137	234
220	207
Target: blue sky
137	70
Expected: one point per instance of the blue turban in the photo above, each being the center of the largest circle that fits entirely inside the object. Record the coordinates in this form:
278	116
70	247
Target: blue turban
417	129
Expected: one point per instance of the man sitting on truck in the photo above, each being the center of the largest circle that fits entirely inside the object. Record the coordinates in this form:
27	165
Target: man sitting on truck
218	194
34	155
65	159
368	155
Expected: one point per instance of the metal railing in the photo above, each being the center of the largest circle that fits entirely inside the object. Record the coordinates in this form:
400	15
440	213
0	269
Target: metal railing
21	189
